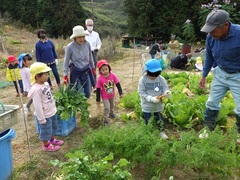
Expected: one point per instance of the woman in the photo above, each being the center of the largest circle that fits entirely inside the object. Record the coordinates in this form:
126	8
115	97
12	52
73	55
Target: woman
45	52
78	58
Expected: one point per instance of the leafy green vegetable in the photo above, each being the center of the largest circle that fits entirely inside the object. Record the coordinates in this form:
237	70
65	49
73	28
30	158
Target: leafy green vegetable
69	101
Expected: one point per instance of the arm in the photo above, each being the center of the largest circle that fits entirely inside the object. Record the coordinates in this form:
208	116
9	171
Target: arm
98	95
208	61
66	61
53	50
91	62
37	52
38	107
119	89
98	42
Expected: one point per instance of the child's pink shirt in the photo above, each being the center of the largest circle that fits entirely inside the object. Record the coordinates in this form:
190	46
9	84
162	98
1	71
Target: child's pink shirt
43	101
107	85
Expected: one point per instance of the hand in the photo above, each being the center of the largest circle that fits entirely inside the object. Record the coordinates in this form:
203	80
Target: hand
95	50
155	100
202	82
167	94
65	80
56	61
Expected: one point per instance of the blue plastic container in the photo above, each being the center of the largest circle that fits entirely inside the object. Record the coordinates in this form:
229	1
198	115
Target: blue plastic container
64	127
6	162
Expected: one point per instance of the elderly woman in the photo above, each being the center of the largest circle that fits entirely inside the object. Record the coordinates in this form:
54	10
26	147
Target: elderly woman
78	58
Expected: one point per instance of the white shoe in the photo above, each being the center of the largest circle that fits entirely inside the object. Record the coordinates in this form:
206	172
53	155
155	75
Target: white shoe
203	135
163	135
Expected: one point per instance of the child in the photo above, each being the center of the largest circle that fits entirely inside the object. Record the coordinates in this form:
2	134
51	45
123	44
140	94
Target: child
105	88
44	104
10	75
152	88
25	60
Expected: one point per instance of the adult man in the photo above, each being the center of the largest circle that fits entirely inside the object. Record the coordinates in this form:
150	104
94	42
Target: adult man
181	61
223	47
93	39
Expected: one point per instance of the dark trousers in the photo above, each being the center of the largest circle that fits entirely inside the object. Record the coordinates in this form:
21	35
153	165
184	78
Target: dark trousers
55	73
157	117
20	85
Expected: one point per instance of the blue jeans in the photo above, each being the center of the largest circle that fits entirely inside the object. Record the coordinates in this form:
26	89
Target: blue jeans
221	83
48	129
55	73
84	87
157	117
153	56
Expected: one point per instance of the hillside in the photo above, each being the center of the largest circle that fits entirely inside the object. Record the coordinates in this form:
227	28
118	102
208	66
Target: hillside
109	17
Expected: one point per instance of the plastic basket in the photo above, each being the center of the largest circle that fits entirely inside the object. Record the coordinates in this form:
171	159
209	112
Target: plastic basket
9	117
64	127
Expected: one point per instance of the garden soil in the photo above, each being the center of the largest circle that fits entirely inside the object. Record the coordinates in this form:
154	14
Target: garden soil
128	69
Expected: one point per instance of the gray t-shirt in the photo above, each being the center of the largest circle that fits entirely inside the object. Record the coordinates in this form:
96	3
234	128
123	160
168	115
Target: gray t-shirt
148	87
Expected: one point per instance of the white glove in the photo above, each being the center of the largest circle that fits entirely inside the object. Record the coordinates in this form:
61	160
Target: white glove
167	94
154	100
56	61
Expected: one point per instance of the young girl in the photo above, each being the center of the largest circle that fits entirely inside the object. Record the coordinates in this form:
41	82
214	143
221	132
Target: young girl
105	88
25	60
44	104
10	75
152	88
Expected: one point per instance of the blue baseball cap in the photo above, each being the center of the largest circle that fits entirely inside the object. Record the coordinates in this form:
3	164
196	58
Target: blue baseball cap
153	65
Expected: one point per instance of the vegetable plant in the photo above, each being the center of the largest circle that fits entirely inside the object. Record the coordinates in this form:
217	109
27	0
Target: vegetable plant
69	101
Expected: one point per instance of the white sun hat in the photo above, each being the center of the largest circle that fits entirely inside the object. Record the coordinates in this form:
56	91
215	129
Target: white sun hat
78	31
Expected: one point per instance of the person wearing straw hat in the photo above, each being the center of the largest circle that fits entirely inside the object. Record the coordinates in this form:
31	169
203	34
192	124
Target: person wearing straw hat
78	58
44	105
222	47
13	73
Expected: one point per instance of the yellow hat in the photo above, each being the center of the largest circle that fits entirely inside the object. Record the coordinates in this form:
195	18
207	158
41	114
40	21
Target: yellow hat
199	60
36	68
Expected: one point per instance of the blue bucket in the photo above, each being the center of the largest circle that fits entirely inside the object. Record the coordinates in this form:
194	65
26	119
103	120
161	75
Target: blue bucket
6	162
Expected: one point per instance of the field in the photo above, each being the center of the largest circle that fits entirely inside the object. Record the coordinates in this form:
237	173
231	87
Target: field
33	163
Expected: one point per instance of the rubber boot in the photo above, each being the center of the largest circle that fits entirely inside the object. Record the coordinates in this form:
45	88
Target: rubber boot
210	117
238	123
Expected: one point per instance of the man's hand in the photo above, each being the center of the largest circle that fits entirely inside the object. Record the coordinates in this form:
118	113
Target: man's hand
65	80
202	82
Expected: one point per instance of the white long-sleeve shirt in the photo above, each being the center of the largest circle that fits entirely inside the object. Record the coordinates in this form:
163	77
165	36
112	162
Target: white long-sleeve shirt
94	40
25	74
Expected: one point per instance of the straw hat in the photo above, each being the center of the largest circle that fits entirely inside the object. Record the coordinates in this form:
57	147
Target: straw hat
78	31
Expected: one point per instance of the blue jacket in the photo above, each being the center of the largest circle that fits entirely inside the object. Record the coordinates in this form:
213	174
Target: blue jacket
225	52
